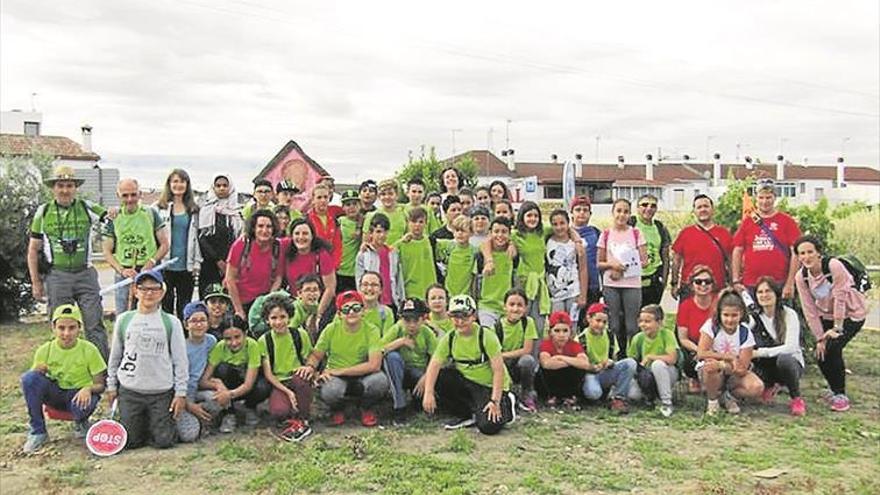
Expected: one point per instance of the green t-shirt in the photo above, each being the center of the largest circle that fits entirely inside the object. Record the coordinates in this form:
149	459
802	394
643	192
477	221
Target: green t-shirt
652	244
72	368
417	266
425	340
351	243
468	348
441	327
251	207
286	360
494	287
514	337
380	317
346	349
397	218
249	354
300	313
432	223
459	261
53	223
531	248
134	235
662	343
598	346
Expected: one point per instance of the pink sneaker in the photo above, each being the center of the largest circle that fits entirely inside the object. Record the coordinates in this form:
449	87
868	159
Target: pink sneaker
840	403
769	393
797	406
529	404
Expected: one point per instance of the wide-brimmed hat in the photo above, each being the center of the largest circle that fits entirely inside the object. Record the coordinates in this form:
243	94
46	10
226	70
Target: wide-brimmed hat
62	173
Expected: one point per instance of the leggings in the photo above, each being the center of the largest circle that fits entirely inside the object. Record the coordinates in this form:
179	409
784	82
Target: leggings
784	369
624	304
833	367
563	382
179	292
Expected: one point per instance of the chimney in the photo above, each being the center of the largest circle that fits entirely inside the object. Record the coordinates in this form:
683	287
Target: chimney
554	159
511	161
649	167
806	162
86	138
620	162
749	164
780	167
578	165
841	169
716	169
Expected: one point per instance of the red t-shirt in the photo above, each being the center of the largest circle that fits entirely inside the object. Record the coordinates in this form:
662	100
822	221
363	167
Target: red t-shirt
571	348
692	317
320	262
696	248
330	232
387	298
255	276
761	256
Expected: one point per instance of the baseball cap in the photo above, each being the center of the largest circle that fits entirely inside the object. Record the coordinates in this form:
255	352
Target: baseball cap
350	195
68	311
347	297
216	290
413	307
153	274
597	308
558	317
193	308
286	185
462	305
581	201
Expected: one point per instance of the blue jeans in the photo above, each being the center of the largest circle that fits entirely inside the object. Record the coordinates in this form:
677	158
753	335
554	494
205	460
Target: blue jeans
621	375
38	389
402	377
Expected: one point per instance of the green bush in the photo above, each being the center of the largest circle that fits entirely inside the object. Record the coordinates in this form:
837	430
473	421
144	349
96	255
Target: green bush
428	169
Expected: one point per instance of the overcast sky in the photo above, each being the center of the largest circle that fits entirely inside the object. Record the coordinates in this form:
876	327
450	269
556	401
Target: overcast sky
222	85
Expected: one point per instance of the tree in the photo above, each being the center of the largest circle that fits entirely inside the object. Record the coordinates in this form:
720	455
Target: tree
428	169
23	190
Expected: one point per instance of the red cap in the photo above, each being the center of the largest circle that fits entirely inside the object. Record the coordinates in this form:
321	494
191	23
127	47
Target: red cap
558	317
581	201
597	308
347	297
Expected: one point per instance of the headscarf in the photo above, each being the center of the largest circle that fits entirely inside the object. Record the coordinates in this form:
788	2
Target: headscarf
213	206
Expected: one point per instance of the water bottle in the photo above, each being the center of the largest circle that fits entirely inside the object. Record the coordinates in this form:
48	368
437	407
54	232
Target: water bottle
750	302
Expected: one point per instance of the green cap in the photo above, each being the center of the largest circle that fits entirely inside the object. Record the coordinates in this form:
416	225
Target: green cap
462	305
67	311
350	195
216	290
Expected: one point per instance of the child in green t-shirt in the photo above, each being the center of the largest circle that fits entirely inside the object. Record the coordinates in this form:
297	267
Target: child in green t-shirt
518	338
493	284
233	373
603	372
416	256
438	319
283	359
655	349
408	346
66	371
457	257
375	313
350	224
476	389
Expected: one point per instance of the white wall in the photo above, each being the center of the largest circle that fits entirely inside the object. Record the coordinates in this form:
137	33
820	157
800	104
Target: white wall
12	122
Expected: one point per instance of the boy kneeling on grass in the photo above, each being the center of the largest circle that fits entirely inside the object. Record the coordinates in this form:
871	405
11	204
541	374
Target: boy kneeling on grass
476	390
68	374
200	409
408	347
148	367
725	354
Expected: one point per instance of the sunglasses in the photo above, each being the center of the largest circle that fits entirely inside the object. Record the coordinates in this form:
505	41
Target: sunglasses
351	308
648	205
703	281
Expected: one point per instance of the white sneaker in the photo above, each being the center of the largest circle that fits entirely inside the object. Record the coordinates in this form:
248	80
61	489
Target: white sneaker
251	418
512	408
34	442
666	410
229	423
712	407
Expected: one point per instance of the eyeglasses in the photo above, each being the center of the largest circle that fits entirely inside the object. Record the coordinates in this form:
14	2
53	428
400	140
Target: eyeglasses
150	288
648	205
703	281
351	308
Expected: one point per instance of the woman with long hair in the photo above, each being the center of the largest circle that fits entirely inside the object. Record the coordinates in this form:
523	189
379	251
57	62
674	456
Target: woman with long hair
254	266
306	253
692	314
178	208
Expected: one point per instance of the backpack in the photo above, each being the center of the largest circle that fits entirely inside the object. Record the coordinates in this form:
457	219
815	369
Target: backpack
297	346
499	329
743	333
634	231
126	317
484	357
853	265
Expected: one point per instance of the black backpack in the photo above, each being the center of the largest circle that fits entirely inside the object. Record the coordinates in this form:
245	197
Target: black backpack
855	267
499	329
297	345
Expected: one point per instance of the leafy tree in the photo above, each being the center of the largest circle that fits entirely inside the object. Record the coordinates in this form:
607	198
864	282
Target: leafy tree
23	190
428	169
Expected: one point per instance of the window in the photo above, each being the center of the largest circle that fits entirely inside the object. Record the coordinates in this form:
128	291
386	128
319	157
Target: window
803	187
633	193
786	189
599	193
31	128
678	197
819	193
553	192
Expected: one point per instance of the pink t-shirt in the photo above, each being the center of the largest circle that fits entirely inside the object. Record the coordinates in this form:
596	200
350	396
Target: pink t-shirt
622	246
320	262
255	274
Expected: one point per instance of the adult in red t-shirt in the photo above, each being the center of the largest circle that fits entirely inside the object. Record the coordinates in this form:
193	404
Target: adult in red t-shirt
704	243
249	263
324	222
756	254
692	314
563	361
306	253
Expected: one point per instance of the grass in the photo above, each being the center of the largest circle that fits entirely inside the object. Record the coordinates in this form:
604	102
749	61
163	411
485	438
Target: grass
546	453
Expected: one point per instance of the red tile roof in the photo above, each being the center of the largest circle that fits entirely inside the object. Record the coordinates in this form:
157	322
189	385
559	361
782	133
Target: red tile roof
488	164
59	146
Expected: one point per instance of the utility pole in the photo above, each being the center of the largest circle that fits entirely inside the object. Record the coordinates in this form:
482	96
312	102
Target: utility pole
598	138
708	145
782	141
507	135
489	139
453	143
843	146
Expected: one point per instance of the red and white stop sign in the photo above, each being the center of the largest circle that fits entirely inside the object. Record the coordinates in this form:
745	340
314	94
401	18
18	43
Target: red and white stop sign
106	437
